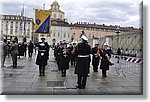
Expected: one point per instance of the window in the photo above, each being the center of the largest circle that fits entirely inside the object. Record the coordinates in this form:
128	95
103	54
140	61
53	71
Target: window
58	34
64	35
1	31
54	16
68	35
54	35
15	30
11	31
60	16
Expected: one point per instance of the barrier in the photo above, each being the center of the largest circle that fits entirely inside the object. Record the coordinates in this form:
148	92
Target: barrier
127	65
130	59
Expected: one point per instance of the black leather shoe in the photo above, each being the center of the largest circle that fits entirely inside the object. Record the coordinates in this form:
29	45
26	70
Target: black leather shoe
82	87
79	87
104	76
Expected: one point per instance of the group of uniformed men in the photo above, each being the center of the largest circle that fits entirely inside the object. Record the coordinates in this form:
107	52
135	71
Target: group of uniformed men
79	55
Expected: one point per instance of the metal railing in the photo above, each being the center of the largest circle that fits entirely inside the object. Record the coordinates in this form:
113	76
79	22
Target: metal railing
127	65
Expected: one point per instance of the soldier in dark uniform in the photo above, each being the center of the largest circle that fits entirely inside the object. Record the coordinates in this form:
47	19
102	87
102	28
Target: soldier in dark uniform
55	51
82	52
64	59
24	46
20	50
42	56
59	51
95	58
105	62
72	55
30	48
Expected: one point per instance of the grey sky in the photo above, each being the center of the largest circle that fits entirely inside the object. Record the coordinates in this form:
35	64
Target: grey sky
109	12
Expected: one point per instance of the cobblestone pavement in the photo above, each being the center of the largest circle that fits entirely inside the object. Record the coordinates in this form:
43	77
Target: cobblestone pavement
123	78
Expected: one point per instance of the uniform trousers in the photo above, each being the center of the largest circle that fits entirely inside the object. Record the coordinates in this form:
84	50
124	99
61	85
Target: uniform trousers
82	80
14	59
104	72
95	68
41	70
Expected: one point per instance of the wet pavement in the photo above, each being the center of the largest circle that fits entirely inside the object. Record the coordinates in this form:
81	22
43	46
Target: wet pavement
124	78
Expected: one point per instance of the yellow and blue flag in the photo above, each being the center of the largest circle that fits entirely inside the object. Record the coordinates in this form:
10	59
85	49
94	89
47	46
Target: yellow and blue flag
42	21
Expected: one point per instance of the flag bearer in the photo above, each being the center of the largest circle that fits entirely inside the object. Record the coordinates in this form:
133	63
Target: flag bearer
42	56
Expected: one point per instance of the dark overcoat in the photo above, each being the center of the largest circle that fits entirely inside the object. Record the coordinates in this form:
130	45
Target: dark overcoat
30	47
42	54
64	58
20	50
72	55
82	63
104	61
95	59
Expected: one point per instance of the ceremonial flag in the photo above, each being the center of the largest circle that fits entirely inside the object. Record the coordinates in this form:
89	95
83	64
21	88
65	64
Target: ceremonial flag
42	21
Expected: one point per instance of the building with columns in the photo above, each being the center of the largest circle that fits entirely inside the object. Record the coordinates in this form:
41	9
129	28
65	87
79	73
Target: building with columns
14	26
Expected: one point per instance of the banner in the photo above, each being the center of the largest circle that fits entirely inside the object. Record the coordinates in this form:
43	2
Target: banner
42	21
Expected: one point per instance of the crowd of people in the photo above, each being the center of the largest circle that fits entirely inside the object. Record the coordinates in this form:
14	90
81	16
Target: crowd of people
76	54
80	57
15	49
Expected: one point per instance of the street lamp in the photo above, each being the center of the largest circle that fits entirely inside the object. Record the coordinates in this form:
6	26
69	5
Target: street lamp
72	37
118	50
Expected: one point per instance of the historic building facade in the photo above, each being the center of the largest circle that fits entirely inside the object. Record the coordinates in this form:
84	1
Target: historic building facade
62	30
60	27
57	14
130	43
95	31
15	26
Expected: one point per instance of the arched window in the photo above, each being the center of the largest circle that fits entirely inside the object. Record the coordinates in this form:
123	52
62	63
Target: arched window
54	16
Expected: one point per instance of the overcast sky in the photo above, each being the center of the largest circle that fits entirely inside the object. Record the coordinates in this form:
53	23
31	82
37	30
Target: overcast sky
109	12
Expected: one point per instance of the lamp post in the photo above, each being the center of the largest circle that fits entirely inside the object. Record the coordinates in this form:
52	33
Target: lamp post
118	49
72	38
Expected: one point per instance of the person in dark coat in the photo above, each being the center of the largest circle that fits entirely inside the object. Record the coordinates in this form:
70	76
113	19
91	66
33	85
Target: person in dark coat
72	55
42	58
24	46
118	53
95	58
59	52
82	52
20	50
55	51
64	59
30	48
105	54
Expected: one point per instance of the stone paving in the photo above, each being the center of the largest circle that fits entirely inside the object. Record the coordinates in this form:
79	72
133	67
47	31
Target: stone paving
25	80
